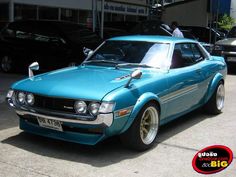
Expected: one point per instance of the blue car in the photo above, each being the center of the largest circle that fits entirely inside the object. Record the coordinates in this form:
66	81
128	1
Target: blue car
129	86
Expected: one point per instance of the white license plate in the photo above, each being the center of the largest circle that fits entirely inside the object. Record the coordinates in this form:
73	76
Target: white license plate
231	59
50	123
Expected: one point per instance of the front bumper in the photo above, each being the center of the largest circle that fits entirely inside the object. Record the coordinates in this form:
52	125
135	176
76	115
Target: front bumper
75	128
229	56
102	119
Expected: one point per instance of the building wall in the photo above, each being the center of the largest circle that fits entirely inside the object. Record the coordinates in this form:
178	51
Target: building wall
81	4
140	2
79	11
192	13
233	10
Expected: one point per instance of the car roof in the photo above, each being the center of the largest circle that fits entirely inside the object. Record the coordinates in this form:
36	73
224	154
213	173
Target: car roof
151	38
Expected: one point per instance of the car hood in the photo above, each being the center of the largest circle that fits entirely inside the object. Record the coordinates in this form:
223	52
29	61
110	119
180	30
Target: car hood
228	41
83	82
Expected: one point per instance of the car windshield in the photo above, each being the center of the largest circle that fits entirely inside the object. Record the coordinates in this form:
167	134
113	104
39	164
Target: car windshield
131	54
232	33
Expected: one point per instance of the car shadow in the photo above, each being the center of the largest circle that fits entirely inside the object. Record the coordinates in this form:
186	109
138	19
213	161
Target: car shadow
108	152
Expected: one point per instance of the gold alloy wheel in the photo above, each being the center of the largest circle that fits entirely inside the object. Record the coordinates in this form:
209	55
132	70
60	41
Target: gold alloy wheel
149	125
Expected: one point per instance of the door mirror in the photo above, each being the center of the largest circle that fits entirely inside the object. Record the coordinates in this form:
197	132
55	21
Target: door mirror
33	67
87	51
134	75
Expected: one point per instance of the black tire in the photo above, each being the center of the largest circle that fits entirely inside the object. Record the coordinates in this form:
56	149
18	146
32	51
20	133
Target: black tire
133	139
213	106
7	64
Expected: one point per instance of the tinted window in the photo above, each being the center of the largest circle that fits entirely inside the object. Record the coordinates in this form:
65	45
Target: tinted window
78	33
197	55
186	54
4	12
18	30
45	32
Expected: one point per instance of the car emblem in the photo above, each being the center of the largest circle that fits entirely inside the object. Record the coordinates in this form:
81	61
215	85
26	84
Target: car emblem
67	107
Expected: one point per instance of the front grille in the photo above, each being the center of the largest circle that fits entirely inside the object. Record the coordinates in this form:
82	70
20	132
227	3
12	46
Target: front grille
54	104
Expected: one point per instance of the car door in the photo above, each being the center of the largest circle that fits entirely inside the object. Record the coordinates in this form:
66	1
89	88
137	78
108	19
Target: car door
184	80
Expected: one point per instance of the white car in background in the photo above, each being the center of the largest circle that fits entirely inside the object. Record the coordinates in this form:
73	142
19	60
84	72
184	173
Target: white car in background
227	47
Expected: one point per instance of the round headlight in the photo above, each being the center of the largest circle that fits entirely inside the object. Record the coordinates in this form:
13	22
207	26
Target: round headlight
80	107
94	108
30	99
21	97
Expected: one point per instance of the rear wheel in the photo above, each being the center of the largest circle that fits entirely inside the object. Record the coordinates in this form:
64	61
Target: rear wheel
216	103
7	63
143	132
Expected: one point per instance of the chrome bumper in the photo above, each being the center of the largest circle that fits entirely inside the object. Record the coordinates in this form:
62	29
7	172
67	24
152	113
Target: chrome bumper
102	119
228	53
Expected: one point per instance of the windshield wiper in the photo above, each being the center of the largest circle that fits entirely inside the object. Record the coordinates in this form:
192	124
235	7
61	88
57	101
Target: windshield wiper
133	64
100	61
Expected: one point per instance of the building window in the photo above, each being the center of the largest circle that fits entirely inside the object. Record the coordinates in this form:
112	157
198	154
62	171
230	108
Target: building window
83	16
48	13
142	18
107	17
117	17
131	18
24	12
4	12
69	15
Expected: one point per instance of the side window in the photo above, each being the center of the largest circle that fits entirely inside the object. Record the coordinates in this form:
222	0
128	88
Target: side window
45	33
186	54
16	30
197	55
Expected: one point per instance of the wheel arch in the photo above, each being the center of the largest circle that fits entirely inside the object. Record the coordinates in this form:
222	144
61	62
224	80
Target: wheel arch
213	84
140	103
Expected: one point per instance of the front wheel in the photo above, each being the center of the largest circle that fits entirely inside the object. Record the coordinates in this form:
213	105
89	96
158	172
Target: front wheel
143	132
216	103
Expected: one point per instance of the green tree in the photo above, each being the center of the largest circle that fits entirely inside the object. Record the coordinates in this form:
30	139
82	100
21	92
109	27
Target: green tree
226	22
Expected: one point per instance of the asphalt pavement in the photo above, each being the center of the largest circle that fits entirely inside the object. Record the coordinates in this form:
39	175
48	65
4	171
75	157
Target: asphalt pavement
25	155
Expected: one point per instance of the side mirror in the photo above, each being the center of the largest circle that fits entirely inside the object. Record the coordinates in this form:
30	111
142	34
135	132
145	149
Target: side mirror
87	51
33	67
134	75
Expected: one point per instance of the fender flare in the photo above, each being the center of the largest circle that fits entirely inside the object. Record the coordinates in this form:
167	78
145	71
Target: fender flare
141	101
213	84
